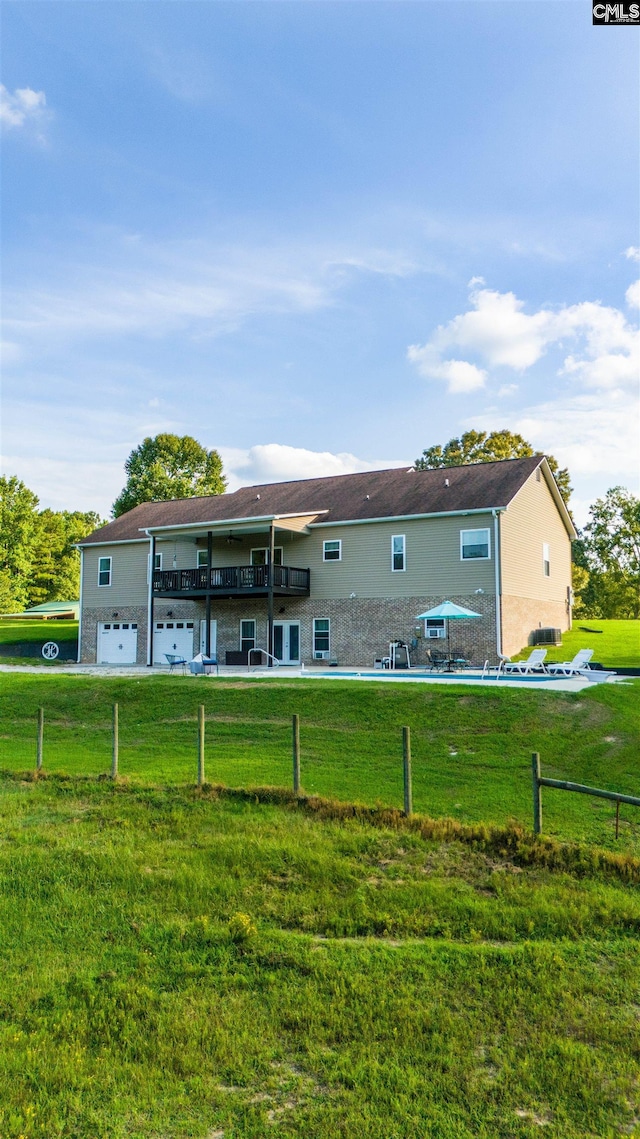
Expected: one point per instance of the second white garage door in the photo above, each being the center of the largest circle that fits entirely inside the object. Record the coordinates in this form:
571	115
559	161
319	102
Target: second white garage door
174	637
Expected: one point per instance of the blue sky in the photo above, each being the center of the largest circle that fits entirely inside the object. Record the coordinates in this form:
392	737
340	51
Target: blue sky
317	236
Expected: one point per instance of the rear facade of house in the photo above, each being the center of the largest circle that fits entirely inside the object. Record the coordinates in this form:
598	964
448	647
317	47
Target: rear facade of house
333	570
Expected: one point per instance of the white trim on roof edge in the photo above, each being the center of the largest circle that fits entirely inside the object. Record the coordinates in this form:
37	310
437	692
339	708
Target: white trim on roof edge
408	517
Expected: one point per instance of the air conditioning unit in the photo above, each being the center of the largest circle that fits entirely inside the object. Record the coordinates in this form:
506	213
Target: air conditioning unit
321	655
435	634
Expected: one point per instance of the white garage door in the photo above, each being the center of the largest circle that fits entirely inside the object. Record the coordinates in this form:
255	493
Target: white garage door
174	637
117	643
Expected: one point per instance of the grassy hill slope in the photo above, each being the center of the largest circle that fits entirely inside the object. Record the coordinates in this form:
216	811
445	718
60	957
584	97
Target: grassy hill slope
187	965
471	747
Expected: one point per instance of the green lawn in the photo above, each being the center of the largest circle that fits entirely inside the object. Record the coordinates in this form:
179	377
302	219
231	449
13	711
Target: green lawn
471	747
12	632
184	965
615	643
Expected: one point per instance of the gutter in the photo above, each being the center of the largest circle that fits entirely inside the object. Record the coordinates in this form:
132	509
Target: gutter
225	523
408	517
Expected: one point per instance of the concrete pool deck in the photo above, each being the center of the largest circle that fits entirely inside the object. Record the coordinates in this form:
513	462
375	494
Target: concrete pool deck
470	677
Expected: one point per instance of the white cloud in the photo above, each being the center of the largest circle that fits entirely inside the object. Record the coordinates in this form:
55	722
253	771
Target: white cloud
277	462
632	253
498	332
22	107
633	295
594	435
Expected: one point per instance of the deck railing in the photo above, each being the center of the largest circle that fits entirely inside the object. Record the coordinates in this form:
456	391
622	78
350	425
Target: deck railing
230	578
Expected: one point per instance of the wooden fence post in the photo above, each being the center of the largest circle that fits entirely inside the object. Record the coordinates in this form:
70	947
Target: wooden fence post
406	764
114	753
40	739
537	792
296	753
201	746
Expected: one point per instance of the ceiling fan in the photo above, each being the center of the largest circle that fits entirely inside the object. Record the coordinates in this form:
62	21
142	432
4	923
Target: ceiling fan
232	538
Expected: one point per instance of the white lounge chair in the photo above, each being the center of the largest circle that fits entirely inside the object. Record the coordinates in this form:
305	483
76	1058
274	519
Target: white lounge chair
578	666
533	663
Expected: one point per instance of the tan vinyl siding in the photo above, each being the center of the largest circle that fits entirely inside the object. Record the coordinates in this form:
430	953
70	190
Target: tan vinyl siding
128	575
432	559
531	519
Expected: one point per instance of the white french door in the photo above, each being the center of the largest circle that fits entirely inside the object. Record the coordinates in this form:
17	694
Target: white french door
286	641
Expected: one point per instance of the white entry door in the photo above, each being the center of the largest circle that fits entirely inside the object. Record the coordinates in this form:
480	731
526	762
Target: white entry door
203	637
117	643
286	641
173	637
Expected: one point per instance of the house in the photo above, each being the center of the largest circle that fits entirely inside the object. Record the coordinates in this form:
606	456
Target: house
332	568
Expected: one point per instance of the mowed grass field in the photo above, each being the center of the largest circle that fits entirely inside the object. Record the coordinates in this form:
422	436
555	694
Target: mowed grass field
613	643
12	632
179	965
471	747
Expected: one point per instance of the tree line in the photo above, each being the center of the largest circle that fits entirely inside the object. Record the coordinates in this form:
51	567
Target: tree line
39	561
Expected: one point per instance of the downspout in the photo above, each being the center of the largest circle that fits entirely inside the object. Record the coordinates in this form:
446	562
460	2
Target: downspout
207	606
498	582
150	603
80	615
272	554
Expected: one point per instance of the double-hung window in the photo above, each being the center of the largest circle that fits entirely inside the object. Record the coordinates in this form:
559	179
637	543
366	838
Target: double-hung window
332	551
247	635
203	559
104	571
320	637
475	544
398	553
157	564
546	560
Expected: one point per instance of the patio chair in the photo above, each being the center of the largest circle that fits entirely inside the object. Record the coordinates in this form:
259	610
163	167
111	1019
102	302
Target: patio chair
533	663
438	660
175	661
457	659
578	666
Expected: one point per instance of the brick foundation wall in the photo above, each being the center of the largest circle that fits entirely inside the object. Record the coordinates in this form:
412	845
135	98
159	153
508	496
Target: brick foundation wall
521	615
360	629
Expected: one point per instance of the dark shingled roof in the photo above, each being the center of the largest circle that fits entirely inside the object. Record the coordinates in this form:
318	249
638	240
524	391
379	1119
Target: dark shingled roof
369	494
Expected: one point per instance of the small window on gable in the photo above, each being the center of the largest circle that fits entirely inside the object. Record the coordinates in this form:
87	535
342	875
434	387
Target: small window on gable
332	551
474	544
398	553
546	559
538	474
104	571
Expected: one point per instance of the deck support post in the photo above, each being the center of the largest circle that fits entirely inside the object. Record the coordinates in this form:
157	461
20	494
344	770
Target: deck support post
272	554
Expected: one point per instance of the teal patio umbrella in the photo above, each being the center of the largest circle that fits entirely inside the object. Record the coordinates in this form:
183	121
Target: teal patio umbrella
451	612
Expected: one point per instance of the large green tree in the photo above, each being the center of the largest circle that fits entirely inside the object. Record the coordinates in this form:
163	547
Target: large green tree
38	558
480	447
18	529
609	552
169	466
